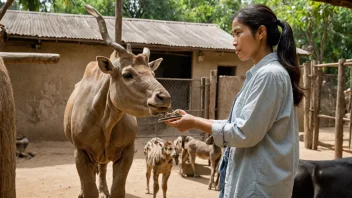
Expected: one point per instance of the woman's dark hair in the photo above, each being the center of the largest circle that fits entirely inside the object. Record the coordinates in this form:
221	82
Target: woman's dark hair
256	15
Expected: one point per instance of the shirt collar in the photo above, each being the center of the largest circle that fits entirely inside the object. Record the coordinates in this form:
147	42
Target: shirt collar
264	61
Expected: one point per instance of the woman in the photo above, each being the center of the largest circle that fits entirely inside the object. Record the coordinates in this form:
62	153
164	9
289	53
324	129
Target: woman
262	130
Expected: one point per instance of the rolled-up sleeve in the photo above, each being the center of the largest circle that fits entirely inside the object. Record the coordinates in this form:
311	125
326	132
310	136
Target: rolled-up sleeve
259	112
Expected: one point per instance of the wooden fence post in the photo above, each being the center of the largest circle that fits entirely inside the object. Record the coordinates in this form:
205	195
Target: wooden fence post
202	95
212	93
340	109
312	100
317	91
206	97
306	104
350	110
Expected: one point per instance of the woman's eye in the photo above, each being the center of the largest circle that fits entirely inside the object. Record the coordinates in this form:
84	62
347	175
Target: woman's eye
127	75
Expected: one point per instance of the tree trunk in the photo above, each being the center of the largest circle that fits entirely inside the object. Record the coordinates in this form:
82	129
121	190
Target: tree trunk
7	136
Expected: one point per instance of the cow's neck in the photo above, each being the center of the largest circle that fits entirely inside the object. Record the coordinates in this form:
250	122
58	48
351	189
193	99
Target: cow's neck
111	116
103	105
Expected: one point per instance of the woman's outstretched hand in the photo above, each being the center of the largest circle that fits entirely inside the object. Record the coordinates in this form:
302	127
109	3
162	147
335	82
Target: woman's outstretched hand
184	123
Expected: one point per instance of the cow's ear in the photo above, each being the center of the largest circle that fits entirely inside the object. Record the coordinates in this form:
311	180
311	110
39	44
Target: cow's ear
105	64
155	64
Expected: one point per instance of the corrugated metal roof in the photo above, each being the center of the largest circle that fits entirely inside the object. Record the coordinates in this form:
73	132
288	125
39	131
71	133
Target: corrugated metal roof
142	31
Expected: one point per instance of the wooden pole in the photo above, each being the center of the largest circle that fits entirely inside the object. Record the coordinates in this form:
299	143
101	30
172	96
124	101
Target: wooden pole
27	58
317	91
118	20
202	95
340	109
206	97
306	105
350	110
212	93
331	117
7	4
312	100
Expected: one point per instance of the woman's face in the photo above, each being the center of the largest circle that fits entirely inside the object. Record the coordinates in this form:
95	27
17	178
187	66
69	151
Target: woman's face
246	45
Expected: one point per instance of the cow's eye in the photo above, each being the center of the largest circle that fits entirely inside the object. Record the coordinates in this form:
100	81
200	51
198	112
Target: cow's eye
127	75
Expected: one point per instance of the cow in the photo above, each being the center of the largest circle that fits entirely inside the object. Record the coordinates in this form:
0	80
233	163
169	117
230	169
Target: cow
100	114
159	160
323	179
158	142
192	148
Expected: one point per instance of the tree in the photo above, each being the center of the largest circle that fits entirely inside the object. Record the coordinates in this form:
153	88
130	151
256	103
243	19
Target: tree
156	9
320	28
209	11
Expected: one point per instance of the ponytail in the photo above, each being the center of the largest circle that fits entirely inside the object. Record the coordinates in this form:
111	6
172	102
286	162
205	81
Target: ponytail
286	52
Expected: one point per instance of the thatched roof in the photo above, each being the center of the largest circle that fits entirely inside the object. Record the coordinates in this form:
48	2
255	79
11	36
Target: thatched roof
342	3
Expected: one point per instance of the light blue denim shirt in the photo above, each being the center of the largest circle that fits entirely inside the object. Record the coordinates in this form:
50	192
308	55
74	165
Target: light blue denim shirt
263	134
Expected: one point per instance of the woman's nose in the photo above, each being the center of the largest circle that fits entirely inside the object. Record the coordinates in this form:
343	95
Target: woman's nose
235	43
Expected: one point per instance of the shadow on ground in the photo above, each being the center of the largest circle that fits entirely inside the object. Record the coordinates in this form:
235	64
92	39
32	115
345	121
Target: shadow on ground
131	196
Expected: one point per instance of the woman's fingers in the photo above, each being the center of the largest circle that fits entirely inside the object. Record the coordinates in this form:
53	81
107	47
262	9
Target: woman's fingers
181	112
173	122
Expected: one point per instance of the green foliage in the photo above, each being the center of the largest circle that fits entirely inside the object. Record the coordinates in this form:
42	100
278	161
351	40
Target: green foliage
209	11
321	28
156	9
31	5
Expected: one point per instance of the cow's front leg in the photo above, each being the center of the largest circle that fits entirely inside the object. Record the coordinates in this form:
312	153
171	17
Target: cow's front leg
147	175
184	157
164	182
86	171
120	172
103	187
192	159
155	182
212	174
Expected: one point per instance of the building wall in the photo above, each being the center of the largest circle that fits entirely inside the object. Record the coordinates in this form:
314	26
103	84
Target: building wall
41	90
225	97
214	59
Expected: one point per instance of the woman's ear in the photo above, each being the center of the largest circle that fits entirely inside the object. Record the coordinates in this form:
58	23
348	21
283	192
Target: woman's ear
261	32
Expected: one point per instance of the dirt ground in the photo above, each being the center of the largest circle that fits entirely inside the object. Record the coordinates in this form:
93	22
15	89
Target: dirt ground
52	173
